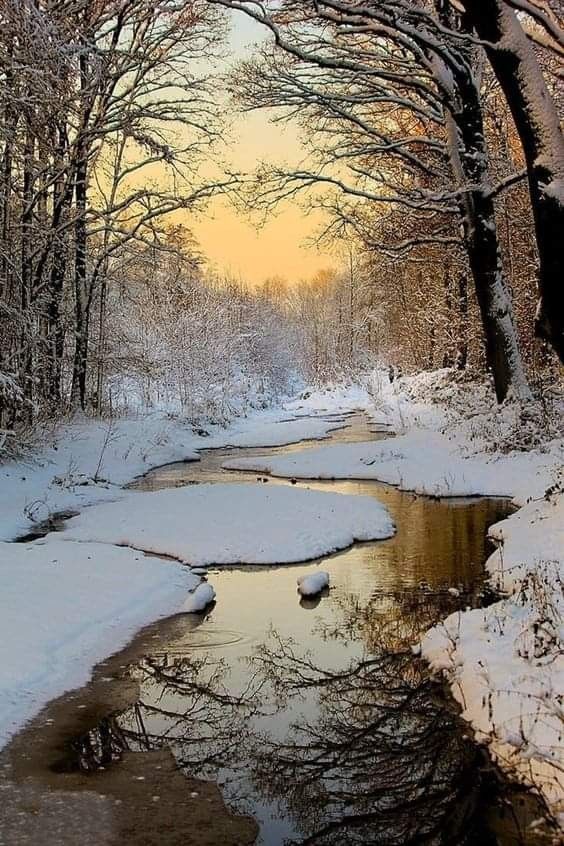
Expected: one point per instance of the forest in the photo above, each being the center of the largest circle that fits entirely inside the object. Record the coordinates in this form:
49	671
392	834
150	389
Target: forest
438	164
361	442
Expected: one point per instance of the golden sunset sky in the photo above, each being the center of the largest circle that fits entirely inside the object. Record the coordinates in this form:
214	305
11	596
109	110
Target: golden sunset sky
231	241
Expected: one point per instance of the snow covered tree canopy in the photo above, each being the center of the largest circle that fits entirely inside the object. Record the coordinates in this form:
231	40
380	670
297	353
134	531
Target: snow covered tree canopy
424	123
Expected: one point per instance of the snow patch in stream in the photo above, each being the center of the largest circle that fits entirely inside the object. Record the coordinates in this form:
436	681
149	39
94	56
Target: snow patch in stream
313	583
199	599
235	523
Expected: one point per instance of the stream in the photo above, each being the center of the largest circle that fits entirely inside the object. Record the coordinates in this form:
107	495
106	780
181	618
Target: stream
314	718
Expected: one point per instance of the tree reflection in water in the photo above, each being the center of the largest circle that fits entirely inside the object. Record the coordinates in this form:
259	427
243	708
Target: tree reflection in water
384	761
184	704
375	753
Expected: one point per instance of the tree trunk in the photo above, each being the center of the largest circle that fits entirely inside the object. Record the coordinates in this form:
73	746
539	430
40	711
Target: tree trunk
78	391
469	160
82	300
536	118
61	207
10	118
102	340
448	350
26	269
462	341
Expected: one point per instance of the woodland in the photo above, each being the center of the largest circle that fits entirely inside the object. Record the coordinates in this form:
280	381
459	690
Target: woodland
434	150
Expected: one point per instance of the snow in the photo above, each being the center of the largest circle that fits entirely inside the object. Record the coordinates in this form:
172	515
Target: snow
278	433
555	190
234	523
66	606
423	461
199	599
337	398
506	669
452	440
505	664
87	461
313	583
525	541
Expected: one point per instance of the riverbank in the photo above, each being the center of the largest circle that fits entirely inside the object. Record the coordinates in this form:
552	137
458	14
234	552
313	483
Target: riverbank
505	664
225	689
88	461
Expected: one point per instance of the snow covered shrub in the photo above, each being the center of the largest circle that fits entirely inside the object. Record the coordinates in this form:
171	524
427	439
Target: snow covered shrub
12	425
541	594
11	393
194	345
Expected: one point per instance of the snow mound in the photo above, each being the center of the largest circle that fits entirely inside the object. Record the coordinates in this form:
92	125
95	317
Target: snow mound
525	541
274	433
333	398
313	583
235	524
199	599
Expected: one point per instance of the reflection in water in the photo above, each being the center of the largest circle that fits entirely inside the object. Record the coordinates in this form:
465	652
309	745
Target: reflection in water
384	761
372	752
183	702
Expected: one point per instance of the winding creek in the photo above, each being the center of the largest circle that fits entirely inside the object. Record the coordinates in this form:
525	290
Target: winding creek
314	717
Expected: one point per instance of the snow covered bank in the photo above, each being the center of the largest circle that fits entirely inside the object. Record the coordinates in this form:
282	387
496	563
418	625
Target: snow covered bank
88	461
336	398
526	541
423	461
66	606
505	663
199	599
232	524
506	669
265	433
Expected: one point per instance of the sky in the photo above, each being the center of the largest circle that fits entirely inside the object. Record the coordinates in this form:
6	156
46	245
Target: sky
232	241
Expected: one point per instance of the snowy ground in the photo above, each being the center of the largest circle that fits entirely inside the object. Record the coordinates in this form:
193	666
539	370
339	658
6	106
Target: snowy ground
505	663
88	461
423	461
66	606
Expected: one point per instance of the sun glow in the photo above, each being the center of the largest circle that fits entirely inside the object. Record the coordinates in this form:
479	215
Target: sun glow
245	245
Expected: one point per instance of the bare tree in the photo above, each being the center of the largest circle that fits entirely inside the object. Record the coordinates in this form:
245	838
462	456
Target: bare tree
533	107
107	109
